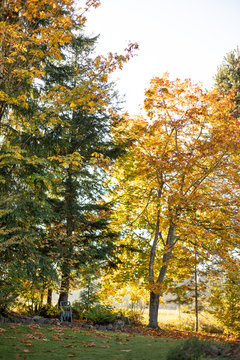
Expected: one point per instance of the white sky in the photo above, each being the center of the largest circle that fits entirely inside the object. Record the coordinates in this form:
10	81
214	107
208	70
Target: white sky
187	38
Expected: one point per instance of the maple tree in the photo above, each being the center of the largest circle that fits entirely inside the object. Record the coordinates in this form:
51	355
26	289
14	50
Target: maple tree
171	172
30	32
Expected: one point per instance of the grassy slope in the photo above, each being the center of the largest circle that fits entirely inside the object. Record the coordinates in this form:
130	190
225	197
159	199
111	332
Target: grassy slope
49	342
56	342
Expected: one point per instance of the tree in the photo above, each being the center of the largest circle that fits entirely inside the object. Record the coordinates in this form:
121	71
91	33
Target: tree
172	165
31	31
56	141
228	76
225	299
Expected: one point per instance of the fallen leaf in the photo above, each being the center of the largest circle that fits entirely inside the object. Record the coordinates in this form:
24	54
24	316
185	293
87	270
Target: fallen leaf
125	350
105	346
71	355
89	345
2	330
56	338
69	346
26	350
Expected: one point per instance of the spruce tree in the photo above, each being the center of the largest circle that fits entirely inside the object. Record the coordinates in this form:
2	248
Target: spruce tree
81	151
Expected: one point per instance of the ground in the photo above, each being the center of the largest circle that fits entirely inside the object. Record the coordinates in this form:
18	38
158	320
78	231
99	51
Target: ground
57	342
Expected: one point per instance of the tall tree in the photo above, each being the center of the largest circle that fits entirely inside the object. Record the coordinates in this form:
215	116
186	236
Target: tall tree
228	77
55	134
30	32
174	159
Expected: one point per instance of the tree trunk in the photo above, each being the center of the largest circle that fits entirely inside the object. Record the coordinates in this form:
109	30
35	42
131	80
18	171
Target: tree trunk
153	310
64	288
49	297
41	300
154	298
196	293
66	269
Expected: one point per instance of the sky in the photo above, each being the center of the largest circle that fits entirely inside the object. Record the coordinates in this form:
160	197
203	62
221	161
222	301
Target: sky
187	38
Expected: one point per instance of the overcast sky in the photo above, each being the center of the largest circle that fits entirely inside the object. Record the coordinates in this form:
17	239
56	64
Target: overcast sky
187	38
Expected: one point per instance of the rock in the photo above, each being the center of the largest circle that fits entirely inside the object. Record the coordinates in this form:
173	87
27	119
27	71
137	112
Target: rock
125	319
102	327
96	326
86	326
109	327
2	319
36	318
78	325
56	322
119	325
15	320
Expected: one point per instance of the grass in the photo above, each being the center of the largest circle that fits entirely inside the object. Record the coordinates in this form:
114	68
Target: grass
171	319
52	342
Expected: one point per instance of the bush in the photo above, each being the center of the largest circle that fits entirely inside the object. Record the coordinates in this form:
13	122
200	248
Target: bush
135	316
78	310
225	303
194	349
101	314
49	311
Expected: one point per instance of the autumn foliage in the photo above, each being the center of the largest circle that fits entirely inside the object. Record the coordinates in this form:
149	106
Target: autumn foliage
170	177
143	202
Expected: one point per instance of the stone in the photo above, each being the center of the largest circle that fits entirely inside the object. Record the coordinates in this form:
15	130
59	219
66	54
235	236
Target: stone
109	327
102	327
125	319
78	325
86	326
119	324
56	322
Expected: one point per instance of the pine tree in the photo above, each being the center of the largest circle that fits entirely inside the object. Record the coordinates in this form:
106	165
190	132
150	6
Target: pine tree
81	152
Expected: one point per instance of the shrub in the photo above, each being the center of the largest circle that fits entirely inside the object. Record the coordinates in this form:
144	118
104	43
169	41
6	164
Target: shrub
78	310
194	349
134	315
101	314
49	311
225	303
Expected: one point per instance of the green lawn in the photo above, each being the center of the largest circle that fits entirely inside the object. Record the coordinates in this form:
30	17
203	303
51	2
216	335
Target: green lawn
55	342
52	342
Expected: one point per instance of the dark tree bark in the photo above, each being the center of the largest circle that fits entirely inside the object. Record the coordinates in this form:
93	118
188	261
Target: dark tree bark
64	290
154	298
49	297
66	268
153	310
196	292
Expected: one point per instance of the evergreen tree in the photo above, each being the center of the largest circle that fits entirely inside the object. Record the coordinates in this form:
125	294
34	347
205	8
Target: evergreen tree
81	152
228	76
